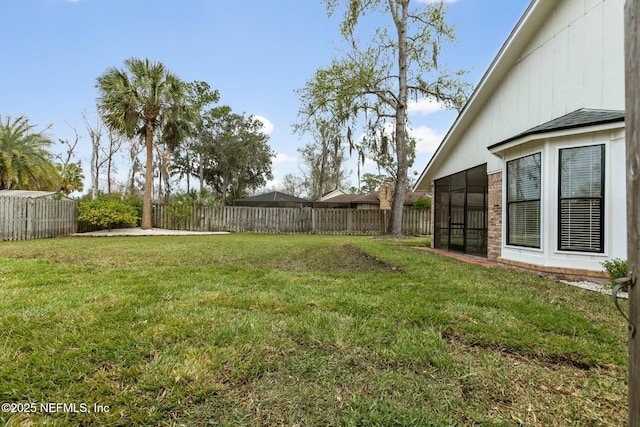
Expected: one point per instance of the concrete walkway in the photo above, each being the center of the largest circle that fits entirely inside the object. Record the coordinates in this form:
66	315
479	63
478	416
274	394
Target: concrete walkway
137	231
462	257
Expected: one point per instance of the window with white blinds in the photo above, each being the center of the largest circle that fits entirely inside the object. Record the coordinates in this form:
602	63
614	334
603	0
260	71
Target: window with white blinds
581	201
523	201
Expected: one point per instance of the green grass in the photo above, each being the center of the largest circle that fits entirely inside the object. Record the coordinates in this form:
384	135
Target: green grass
298	330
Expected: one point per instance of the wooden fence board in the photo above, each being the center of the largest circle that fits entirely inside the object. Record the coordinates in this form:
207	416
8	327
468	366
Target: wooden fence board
244	219
27	218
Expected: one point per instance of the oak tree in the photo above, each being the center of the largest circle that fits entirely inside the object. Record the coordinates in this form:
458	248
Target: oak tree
371	85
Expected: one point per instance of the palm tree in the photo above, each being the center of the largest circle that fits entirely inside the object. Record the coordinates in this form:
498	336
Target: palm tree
144	98
71	177
25	163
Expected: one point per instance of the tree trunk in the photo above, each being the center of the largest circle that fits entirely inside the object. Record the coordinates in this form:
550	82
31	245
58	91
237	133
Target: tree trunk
632	125
395	224
226	181
148	179
109	173
201	173
95	170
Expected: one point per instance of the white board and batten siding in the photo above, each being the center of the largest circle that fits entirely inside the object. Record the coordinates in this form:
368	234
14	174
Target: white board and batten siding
573	59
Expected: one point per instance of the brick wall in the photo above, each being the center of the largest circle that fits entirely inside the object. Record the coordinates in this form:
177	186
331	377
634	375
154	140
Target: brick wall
385	195
433	214
494	232
558	273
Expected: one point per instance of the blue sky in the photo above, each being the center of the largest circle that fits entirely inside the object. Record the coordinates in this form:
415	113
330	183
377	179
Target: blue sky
255	52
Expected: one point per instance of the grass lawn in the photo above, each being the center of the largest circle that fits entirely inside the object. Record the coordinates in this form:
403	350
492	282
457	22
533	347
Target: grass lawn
297	330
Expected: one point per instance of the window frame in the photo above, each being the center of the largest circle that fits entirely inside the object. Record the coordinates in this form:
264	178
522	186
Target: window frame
508	203
601	199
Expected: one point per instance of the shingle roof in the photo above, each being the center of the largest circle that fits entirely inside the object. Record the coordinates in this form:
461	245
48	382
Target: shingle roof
366	198
409	198
274	196
342	198
577	119
27	193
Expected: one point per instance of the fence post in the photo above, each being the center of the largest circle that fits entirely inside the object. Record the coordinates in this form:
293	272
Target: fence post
313	220
632	131
30	217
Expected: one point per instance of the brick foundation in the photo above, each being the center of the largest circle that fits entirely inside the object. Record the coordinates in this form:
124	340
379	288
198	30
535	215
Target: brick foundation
558	273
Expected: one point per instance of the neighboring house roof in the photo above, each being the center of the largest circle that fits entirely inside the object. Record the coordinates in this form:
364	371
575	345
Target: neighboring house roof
366	198
372	198
274	196
27	194
331	194
583	117
410	197
342	198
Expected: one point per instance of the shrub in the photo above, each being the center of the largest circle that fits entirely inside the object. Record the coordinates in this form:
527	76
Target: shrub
108	212
181	205
616	268
423	203
179	211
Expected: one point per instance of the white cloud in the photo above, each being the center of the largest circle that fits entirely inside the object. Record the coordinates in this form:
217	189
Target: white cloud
267	125
424	106
282	158
427	139
436	1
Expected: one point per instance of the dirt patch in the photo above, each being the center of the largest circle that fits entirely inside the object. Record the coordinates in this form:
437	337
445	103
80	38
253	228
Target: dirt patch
362	262
336	259
549	360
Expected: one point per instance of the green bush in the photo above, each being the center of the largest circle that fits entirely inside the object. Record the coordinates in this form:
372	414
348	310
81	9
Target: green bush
109	212
616	268
181	204
423	203
133	201
179	211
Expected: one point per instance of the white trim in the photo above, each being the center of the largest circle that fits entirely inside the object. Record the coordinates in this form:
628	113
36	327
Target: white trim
557	134
556	200
505	206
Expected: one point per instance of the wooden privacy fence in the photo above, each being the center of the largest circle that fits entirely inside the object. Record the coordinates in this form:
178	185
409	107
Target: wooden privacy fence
27	218
290	220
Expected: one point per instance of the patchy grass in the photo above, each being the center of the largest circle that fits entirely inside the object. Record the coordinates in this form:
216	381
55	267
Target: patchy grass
297	330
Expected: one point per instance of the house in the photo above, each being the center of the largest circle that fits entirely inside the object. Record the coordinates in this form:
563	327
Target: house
381	199
273	199
532	172
331	194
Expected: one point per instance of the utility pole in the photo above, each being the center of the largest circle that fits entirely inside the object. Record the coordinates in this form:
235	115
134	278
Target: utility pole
632	132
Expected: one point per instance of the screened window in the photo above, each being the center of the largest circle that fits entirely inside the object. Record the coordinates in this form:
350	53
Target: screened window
581	204
523	201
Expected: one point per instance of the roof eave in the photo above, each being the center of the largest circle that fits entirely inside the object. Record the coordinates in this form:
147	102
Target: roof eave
499	148
529	23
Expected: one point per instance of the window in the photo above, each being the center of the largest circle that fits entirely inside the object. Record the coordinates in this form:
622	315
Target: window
581	204
523	201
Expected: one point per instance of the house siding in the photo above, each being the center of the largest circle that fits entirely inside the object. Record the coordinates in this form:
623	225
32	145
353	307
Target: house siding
565	55
574	61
